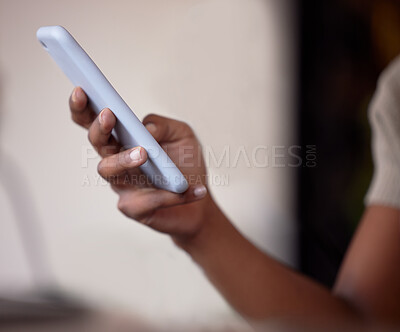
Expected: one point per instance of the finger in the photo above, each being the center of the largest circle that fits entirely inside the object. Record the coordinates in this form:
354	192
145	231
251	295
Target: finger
132	179
100	133
122	163
165	129
138	204
81	112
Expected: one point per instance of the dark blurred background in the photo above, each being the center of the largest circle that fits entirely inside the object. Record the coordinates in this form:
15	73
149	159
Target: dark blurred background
344	45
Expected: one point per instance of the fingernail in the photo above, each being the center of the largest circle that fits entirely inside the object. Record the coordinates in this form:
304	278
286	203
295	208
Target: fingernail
200	191
73	97
151	127
135	155
79	94
101	117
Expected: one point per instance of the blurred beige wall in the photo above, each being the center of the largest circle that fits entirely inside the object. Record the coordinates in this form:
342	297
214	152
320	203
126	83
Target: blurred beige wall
224	66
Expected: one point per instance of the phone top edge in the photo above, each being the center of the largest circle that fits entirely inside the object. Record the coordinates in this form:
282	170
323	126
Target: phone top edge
55	31
82	71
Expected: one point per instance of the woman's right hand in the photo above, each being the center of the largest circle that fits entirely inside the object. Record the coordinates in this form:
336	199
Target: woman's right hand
180	215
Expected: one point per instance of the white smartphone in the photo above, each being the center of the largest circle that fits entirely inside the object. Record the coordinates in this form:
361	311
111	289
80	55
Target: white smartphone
130	132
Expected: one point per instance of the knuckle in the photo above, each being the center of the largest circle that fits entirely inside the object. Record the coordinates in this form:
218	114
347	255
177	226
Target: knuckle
121	205
89	136
146	220
101	168
75	119
132	208
108	170
187	128
149	117
92	137
184	128
128	208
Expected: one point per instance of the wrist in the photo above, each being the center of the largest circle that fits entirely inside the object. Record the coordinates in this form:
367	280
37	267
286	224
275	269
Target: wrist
213	221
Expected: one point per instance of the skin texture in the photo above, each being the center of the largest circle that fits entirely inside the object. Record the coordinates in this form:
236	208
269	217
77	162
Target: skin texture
256	285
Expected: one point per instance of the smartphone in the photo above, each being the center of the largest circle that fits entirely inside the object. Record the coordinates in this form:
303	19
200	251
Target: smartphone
129	130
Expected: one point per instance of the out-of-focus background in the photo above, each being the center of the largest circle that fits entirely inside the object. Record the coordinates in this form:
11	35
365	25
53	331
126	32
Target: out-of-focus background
344	45
226	67
252	77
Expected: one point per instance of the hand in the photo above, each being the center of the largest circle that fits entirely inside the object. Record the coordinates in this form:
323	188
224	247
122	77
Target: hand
180	215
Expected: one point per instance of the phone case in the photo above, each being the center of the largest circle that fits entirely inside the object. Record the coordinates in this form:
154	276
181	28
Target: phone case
129	130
